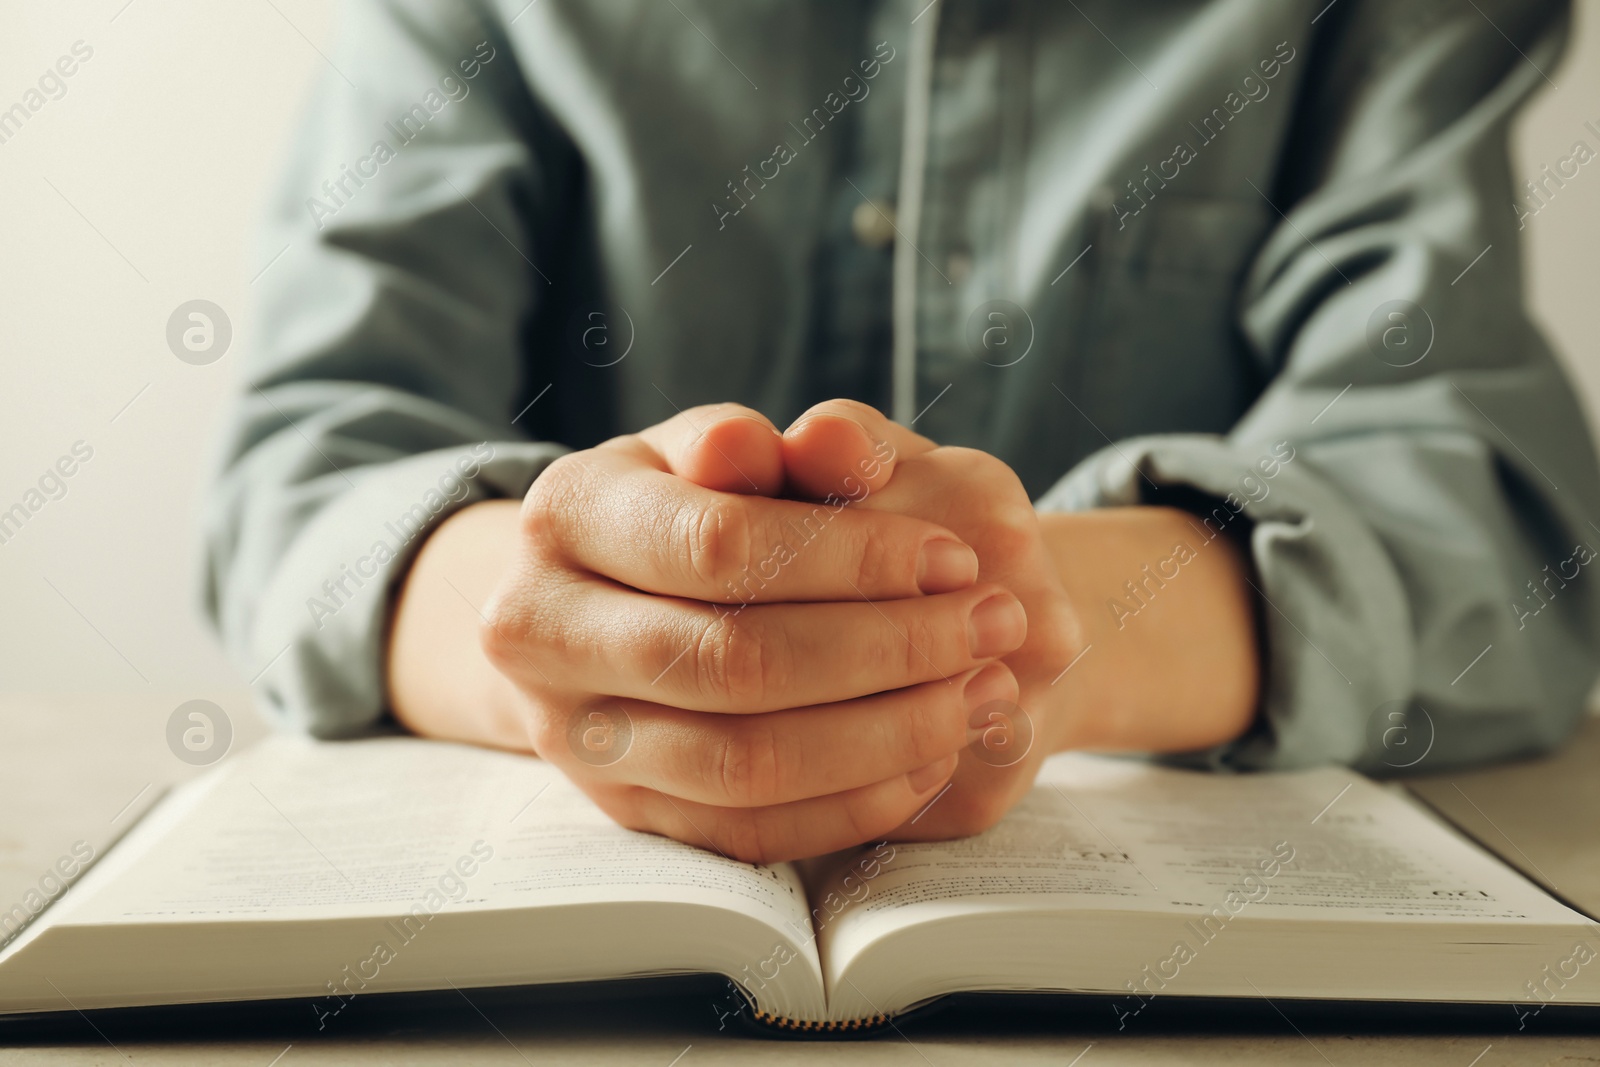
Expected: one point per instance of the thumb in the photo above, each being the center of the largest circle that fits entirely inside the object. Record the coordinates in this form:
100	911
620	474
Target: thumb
845	448
726	447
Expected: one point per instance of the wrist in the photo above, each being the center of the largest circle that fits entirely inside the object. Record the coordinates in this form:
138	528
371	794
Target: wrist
439	681
1170	660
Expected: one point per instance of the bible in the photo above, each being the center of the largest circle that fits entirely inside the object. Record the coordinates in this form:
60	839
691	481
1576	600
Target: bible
329	871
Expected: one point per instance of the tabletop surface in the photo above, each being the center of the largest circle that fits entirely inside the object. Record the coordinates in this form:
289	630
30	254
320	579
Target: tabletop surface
80	768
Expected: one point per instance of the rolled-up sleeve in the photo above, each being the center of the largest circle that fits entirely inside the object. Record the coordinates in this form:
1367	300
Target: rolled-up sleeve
1422	556
379	394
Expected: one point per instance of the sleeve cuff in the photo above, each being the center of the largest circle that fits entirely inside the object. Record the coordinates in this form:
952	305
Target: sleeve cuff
315	653
1335	627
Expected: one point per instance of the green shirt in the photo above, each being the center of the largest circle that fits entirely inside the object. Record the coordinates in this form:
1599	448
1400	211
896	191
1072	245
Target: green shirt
1256	258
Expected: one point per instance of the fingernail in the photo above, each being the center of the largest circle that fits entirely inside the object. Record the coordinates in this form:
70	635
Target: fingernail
997	626
993	683
933	774
946	566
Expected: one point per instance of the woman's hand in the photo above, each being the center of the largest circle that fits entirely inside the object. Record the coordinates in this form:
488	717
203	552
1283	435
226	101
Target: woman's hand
981	499
1181	675
768	678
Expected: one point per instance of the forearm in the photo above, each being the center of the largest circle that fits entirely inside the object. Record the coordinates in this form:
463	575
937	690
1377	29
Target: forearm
440	682
1170	660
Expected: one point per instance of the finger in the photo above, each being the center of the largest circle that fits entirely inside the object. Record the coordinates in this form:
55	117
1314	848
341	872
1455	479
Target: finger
841	447
614	514
979	796
726	447
787	831
767	657
745	761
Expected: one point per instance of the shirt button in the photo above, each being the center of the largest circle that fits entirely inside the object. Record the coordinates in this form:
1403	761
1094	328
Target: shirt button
872	222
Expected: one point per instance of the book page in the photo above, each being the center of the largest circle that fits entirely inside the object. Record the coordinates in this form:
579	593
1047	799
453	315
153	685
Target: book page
302	829
1101	834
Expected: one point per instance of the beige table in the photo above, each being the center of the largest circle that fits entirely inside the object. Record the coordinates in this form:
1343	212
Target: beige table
80	768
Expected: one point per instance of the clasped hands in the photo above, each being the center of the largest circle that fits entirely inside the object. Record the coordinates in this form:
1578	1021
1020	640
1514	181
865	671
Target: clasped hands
778	645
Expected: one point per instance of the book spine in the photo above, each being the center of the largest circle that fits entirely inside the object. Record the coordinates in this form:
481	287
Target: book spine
769	1023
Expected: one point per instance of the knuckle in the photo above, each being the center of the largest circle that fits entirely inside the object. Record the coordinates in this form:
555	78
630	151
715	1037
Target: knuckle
507	627
517	630
709	659
927	640
934	732
731	663
865	557
1012	534
883	551
555	493
716	540
767	550
546	734
747	765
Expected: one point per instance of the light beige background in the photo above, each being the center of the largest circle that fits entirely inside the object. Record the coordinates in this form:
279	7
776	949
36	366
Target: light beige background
138	191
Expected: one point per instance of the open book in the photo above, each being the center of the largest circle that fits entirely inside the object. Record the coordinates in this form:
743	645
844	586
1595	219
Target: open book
330	871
